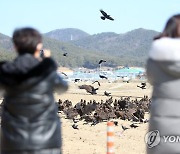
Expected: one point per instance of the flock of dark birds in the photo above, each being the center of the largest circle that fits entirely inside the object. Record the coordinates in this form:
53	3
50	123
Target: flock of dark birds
92	112
95	112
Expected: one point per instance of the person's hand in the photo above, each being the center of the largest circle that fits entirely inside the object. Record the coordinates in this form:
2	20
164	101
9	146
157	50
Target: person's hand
47	53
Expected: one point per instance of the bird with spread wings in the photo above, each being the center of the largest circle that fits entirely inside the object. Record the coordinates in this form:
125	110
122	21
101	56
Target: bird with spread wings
105	16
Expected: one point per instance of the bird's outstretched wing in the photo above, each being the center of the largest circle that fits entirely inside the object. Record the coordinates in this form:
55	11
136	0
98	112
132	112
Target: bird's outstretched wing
97	82
88	88
103	77
110	18
104	13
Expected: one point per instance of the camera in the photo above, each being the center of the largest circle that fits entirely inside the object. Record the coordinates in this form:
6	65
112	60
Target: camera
42	53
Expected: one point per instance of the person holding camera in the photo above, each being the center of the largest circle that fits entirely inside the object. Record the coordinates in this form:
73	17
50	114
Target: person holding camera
30	124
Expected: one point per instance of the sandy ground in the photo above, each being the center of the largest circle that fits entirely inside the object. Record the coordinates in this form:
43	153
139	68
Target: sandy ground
92	139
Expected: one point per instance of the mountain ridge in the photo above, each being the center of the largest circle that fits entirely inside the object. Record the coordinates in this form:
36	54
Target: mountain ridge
66	34
130	48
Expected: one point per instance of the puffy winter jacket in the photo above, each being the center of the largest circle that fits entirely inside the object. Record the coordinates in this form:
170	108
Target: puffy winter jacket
163	70
29	115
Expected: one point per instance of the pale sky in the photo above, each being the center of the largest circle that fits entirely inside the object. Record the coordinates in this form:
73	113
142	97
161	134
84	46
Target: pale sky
48	15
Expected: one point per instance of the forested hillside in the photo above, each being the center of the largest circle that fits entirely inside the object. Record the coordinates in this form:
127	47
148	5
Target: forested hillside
86	50
67	34
135	43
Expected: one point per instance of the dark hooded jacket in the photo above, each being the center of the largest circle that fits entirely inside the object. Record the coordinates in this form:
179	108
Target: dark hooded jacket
29	117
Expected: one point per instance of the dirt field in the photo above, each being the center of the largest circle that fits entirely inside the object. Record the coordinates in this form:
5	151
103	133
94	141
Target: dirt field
92	139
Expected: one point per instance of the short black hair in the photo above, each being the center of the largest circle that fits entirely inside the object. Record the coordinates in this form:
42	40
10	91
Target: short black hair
26	40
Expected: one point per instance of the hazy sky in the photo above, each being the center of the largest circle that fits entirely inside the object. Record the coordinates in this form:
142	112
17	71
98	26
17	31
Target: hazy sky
47	15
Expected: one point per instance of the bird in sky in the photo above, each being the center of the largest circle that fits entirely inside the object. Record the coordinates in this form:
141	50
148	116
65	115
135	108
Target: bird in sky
105	15
76	80
103	77
64	73
64	54
101	61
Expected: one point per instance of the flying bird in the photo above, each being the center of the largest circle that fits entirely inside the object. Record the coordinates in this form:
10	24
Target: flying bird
119	76
101	61
105	16
64	54
103	77
64	73
97	82
76	80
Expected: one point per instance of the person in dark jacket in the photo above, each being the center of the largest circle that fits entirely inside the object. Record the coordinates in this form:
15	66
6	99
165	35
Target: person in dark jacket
30	124
163	71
